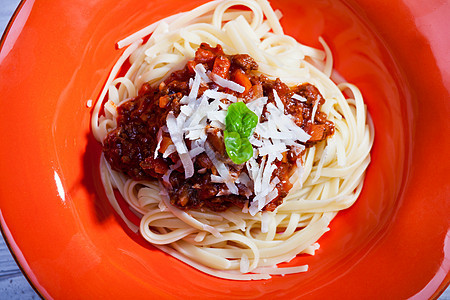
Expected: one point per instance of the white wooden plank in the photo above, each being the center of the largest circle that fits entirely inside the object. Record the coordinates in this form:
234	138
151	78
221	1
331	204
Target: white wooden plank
13	285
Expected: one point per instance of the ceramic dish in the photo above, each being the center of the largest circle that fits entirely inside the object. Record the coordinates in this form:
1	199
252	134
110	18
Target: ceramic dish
394	242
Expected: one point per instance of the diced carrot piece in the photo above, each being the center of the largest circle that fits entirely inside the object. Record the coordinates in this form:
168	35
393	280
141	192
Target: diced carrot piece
221	66
284	157
316	132
162	86
165	143
191	65
204	56
242	79
164	100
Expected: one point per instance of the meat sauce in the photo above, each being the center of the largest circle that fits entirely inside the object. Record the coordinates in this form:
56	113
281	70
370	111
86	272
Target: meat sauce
131	146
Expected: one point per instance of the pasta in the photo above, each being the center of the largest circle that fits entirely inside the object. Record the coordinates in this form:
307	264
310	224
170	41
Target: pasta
239	244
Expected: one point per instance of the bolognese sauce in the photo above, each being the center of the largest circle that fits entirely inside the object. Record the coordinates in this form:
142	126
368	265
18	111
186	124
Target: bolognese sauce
130	148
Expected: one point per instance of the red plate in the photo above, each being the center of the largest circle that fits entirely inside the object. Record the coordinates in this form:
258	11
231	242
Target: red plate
393	242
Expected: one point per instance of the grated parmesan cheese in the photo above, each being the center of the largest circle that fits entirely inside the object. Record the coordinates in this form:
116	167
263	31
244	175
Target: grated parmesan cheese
222	169
270	140
159	138
227	83
299	98
170	149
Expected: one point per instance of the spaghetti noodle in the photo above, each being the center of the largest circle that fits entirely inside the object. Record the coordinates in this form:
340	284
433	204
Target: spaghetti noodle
240	243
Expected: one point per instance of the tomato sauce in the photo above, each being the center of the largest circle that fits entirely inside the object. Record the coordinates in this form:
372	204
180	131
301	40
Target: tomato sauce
130	148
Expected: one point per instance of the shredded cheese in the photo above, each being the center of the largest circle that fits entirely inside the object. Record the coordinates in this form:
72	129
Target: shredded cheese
270	140
227	83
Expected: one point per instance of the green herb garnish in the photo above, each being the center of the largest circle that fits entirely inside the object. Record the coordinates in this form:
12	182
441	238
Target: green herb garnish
240	123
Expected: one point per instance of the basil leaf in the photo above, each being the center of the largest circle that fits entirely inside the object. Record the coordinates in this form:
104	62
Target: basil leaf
232	142
240	123
233	121
240	119
249	122
238	149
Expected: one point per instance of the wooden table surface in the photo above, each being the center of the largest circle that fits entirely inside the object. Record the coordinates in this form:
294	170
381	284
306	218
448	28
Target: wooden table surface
13	284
